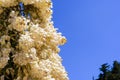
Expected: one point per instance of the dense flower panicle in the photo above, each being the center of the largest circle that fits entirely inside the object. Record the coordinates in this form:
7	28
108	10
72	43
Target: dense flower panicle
5	48
30	45
8	3
25	42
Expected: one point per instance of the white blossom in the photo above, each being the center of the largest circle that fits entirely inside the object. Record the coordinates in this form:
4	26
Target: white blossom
33	43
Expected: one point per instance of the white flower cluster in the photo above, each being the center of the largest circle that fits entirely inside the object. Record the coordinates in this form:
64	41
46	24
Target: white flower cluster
18	24
5	48
8	3
37	43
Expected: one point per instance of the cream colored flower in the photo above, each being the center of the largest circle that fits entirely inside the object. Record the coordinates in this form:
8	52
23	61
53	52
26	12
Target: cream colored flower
18	23
26	42
8	3
33	43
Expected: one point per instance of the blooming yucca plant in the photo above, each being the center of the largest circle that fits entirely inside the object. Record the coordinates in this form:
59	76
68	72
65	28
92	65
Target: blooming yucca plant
29	43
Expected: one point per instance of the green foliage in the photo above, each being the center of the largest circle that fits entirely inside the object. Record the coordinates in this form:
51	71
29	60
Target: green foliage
108	73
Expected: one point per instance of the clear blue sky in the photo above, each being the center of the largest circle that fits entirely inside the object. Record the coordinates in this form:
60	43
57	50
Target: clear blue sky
92	28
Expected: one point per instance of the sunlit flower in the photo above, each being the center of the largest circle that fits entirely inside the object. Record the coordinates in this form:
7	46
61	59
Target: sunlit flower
26	42
31	45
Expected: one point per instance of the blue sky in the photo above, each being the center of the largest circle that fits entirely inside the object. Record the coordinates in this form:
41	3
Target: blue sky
92	29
